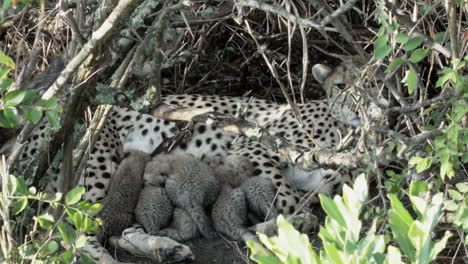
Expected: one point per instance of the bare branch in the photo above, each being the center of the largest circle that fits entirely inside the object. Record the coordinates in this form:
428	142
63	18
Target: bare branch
414	107
278	10
417	139
338	12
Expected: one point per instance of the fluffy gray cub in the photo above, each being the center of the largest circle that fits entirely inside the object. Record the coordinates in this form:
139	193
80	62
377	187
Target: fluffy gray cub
182	227
260	195
190	185
122	198
229	214
232	170
154	210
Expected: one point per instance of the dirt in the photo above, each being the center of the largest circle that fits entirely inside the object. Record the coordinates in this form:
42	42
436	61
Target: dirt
206	251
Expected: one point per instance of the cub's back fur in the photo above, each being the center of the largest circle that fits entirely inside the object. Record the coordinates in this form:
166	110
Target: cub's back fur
190	185
154	210
120	203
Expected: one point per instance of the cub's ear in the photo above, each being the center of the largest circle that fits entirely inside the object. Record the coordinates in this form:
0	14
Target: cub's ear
321	72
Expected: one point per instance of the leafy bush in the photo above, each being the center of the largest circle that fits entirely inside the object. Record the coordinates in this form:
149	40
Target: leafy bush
14	103
342	236
47	239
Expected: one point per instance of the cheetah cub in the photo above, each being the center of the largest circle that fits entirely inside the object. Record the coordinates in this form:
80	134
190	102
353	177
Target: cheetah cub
154	210
229	214
124	190
190	185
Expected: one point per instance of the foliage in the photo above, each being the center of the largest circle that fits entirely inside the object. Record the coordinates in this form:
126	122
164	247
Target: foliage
341	235
50	240
14	103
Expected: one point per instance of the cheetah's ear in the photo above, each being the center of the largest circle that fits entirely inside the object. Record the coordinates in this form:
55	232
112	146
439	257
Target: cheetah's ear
321	72
121	100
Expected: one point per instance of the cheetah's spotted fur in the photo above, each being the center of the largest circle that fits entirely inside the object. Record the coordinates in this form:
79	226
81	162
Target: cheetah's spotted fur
126	130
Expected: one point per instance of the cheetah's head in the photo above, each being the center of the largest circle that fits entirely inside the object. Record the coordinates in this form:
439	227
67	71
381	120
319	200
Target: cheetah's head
157	170
349	96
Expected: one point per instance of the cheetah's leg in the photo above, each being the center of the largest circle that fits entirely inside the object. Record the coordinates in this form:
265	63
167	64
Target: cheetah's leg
161	249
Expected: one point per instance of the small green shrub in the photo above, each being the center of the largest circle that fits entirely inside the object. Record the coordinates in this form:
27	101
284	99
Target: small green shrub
44	239
342	236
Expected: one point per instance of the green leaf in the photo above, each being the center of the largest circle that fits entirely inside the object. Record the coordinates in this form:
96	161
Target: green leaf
417	187
417	235
85	259
265	259
462	187
74	195
412	43
393	256
383	52
422	164
29	97
52	103
419	205
50	248
7	61
401	38
27	251
5	84
418	55
78	220
67	232
455	195
394	64
332	253
33	114
81	241
400	221
381	49
12	184
440	245
46	221
3	121
19	206
12	115
14	98
52	117
22	188
331	209
68	257
411	80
